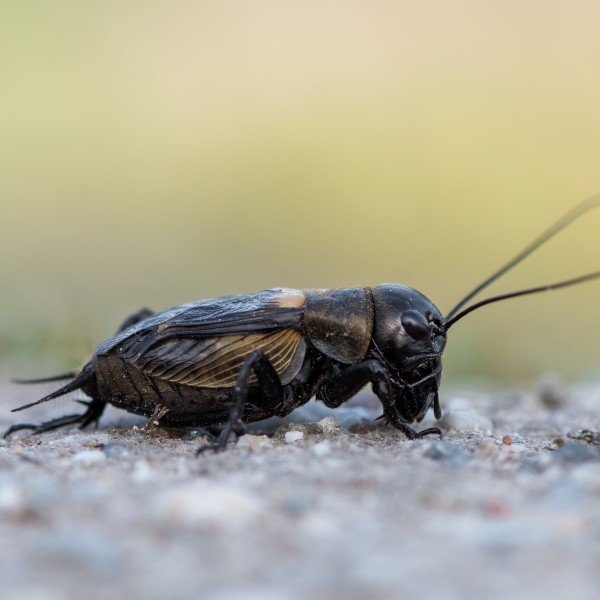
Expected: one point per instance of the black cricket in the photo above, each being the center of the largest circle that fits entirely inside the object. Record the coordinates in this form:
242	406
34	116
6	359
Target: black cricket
239	359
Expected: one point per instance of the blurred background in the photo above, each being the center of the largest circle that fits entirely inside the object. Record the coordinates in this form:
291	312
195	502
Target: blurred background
153	153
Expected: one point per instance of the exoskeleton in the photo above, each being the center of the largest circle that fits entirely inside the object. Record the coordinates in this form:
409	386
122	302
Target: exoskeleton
239	359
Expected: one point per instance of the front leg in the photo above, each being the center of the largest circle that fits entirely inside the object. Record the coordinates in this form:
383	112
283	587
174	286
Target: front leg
347	383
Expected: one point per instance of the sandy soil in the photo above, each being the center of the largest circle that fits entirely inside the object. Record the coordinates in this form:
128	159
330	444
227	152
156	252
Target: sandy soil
497	509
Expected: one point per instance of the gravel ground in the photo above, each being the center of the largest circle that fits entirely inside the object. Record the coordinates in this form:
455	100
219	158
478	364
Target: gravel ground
506	504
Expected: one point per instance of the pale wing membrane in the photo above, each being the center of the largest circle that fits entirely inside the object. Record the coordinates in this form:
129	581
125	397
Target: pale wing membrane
216	362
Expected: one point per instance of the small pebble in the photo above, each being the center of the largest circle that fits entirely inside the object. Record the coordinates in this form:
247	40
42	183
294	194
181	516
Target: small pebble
465	419
551	392
585	435
507	440
322	448
254	442
293	436
329	425
305	428
89	457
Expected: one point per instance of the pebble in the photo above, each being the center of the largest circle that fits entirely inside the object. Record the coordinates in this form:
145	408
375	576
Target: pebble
293	436
348	415
585	435
551	391
322	448
89	457
465	419
329	425
305	428
254	442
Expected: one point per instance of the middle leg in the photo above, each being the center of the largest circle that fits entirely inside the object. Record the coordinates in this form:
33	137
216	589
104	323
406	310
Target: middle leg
271	393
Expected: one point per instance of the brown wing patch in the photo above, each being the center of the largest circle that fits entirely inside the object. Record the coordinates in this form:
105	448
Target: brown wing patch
216	362
286	298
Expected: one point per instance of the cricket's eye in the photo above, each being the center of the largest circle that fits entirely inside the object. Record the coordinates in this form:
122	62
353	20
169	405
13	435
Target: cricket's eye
415	324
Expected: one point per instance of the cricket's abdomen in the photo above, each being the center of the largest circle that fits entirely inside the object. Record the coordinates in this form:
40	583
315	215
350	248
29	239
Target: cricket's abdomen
126	387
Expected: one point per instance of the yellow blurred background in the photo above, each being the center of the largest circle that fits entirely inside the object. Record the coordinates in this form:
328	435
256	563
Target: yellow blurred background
152	153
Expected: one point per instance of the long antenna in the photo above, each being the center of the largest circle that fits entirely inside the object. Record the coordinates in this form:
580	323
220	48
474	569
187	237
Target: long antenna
535	290
561	224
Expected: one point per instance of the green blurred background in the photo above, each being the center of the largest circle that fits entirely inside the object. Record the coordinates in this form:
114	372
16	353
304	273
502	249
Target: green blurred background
157	152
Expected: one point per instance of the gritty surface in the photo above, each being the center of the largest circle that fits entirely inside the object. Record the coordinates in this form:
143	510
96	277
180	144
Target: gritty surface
498	510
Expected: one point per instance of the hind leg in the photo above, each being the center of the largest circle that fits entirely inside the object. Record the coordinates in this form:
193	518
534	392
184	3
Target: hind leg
95	407
94	411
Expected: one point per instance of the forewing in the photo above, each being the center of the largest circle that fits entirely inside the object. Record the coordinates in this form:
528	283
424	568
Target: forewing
269	310
215	362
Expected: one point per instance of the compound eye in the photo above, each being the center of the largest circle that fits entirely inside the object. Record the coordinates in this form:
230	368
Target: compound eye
415	324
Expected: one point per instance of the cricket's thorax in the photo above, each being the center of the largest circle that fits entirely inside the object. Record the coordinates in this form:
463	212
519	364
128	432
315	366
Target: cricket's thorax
339	323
